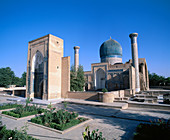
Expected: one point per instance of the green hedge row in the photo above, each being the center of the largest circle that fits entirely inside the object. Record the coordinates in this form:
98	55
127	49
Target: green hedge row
10	113
8	106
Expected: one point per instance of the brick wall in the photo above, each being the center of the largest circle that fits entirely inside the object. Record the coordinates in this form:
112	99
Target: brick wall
65	85
92	96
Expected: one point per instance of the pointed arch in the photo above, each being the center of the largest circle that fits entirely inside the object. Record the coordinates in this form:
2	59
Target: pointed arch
37	71
100	79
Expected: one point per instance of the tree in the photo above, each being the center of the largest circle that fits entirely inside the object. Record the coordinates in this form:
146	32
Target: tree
156	80
16	81
7	77
80	78
77	80
23	79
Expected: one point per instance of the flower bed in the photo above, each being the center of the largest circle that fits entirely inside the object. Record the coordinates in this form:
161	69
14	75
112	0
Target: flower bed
23	111
59	120
6	134
8	106
152	131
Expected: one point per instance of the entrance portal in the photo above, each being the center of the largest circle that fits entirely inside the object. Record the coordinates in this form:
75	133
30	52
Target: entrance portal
37	75
100	79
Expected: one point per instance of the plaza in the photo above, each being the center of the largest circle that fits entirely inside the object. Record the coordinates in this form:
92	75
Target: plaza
114	123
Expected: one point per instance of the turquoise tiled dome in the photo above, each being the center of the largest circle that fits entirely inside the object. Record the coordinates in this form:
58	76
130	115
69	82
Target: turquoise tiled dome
110	48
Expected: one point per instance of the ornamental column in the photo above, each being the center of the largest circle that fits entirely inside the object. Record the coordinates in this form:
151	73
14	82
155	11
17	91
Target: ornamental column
135	63
76	57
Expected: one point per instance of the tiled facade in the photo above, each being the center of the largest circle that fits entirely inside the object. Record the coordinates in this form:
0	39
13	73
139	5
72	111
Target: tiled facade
114	75
117	76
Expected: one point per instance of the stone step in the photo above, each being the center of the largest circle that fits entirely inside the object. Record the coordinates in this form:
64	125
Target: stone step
121	98
148	105
145	96
148	100
156	93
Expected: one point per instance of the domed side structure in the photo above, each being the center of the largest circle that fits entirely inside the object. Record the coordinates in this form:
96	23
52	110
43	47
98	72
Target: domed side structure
111	52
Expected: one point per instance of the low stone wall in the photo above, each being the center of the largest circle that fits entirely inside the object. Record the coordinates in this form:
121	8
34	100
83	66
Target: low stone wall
148	105
1	88
160	87
107	97
92	96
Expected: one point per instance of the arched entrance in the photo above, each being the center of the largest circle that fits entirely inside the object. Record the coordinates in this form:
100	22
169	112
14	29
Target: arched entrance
100	79
37	75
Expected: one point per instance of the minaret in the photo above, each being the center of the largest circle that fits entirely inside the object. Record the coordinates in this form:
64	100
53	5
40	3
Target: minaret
135	63
76	57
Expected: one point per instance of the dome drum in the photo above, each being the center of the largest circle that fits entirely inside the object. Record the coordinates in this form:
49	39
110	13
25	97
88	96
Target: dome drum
111	52
111	60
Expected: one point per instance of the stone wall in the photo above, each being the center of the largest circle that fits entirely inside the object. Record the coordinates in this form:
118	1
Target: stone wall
55	70
55	55
107	97
92	96
65	86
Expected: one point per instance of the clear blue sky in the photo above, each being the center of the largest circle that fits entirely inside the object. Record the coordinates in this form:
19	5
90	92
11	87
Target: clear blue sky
86	23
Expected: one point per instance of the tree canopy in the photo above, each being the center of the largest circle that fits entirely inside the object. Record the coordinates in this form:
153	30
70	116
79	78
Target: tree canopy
7	77
156	80
77	80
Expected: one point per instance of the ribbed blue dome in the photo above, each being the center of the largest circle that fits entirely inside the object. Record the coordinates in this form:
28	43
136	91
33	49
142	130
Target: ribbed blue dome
110	48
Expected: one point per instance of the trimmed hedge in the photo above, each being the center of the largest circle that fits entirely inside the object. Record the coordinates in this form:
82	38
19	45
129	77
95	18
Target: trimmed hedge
8	106
24	111
11	113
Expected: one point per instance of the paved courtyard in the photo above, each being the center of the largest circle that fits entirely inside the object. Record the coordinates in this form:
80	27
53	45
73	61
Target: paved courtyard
114	123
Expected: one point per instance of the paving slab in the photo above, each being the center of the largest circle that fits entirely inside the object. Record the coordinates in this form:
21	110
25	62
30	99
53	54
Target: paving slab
115	123
98	104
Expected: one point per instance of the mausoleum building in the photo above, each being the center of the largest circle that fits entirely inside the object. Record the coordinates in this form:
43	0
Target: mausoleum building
48	72
112	74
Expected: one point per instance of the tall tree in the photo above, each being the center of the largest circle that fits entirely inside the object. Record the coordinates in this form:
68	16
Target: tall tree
80	78
7	77
77	81
23	79
157	80
16	81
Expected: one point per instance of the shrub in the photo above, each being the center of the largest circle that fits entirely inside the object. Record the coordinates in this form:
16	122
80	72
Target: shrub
11	114
24	114
63	117
70	124
153	130
15	134
104	90
55	126
60	120
94	135
27	101
24	111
